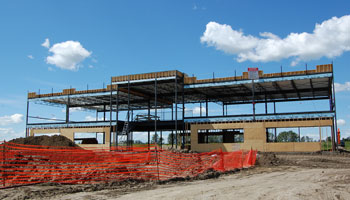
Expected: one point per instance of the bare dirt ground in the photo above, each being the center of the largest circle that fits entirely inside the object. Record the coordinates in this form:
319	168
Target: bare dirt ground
281	176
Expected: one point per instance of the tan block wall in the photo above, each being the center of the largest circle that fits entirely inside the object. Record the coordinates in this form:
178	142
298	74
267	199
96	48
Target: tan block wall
255	136
69	133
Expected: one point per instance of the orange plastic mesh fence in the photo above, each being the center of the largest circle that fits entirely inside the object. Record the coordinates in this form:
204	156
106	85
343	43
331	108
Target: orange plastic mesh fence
29	164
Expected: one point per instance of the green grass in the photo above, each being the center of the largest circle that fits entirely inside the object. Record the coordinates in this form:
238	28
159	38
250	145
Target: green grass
328	146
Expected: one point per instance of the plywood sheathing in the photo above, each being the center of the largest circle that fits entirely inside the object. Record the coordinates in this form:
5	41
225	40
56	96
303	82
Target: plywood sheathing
255	136
69	133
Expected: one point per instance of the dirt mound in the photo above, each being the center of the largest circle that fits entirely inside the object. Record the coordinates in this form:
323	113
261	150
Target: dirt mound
44	140
267	159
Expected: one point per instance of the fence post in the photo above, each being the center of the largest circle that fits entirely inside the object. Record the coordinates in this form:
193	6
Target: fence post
242	160
222	160
3	164
157	162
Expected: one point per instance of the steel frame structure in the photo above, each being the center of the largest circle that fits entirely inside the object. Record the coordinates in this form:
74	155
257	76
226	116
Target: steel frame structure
167	90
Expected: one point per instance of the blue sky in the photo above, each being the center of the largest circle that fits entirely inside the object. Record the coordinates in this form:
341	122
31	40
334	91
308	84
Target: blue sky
111	38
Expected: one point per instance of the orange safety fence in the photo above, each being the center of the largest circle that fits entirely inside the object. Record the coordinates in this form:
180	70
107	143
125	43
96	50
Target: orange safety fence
30	164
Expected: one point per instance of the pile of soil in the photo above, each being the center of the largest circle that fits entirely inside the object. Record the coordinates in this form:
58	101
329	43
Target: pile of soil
44	140
267	159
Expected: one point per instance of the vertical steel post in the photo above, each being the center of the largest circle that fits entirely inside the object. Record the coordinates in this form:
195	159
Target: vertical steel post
223	109
200	109
110	114
67	109
335	113
206	107
172	132
155	107
27	114
149	119
104	112
183	113
128	114
117	118
3	164
176	111
253	90
265	104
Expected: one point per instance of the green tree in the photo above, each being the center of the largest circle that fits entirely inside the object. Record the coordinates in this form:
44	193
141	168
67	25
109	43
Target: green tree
306	139
287	136
171	138
138	142
155	139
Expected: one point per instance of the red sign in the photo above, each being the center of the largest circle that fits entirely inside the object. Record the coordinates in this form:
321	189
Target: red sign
253	73
253	69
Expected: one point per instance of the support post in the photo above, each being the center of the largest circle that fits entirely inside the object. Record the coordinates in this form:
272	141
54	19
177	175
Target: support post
335	114
104	112
253	90
265	105
27	114
155	106
149	119
206	107
176	111
183	113
117	117
223	109
3	164
110	112
67	109
172	132
128	114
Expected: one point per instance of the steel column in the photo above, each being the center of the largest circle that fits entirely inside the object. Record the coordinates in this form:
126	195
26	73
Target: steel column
176	111
27	132
155	105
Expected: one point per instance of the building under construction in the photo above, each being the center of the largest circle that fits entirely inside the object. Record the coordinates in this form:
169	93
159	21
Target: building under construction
137	103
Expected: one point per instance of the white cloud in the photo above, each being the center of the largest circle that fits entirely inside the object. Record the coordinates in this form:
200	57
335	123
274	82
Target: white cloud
197	110
341	122
12	119
46	43
9	134
67	55
329	39
342	87
30	57
74	109
91	118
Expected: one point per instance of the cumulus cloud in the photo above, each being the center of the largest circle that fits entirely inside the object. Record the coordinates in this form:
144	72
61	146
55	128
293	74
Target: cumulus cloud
46	43
9	134
342	87
30	57
67	55
12	119
341	122
330	39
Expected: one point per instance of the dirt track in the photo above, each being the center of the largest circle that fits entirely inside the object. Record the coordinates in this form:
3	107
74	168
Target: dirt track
287	176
